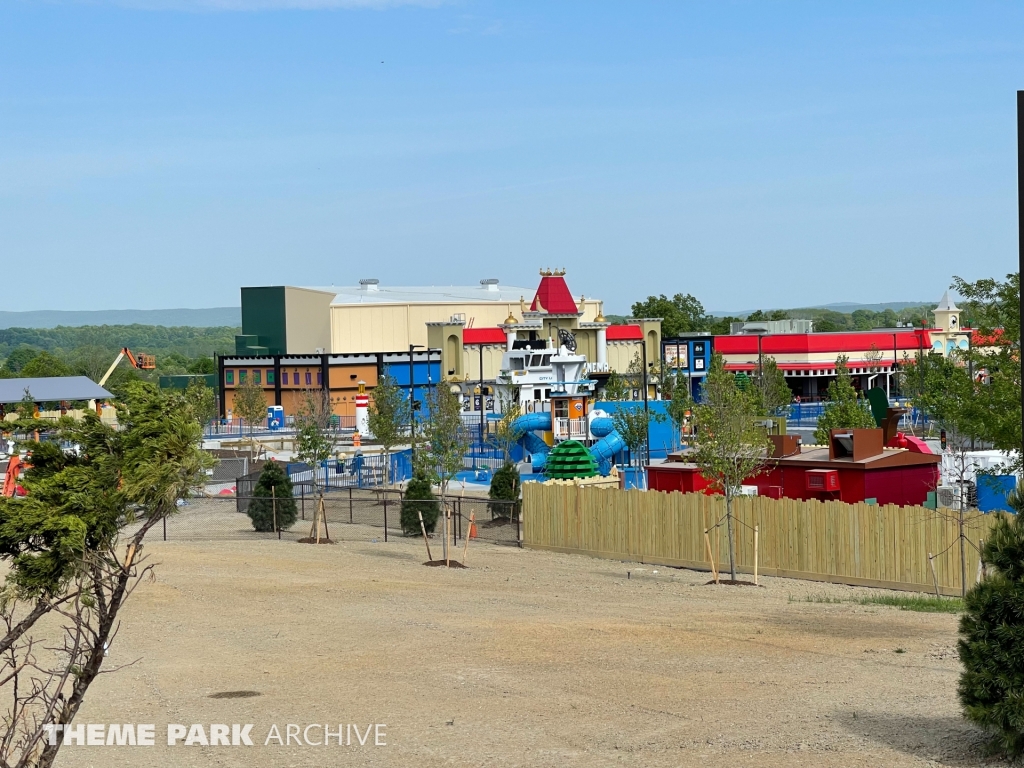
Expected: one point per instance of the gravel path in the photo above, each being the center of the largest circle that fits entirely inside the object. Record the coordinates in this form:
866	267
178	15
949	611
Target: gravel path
524	659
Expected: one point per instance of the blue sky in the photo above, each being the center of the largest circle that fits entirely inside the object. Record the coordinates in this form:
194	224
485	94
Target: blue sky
160	153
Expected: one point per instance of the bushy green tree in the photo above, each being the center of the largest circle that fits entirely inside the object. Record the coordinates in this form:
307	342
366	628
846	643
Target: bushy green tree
681	314
73	545
771	392
272	500
991	645
634	426
844	409
504	488
419	499
18	358
615	388
680	404
44	364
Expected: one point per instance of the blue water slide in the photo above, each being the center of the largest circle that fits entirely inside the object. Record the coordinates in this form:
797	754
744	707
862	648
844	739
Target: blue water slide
534	445
611	441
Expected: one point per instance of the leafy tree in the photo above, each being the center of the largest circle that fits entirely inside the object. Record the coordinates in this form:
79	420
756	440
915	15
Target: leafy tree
991	645
844	409
389	418
71	555
43	365
315	443
634	426
992	308
203	401
250	402
18	358
315	440
26	407
680	314
772	314
730	447
504	487
202	365
272	500
771	392
419	500
506	434
615	388
680	404
446	438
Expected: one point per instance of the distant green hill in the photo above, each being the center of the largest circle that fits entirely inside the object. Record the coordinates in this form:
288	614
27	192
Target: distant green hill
153	339
198	318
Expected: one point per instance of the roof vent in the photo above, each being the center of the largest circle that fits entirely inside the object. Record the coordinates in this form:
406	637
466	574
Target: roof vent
369	284
490	284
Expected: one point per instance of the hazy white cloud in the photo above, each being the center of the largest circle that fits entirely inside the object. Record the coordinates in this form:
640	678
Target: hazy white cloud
264	5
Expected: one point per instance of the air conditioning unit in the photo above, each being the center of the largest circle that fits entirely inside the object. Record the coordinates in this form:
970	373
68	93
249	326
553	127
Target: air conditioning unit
821	480
948	496
748	490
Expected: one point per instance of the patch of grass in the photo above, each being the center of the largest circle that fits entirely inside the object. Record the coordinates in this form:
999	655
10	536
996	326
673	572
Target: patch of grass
822	599
920	603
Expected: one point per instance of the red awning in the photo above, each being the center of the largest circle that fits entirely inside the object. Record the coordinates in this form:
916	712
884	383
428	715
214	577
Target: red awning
483	336
624	333
827	343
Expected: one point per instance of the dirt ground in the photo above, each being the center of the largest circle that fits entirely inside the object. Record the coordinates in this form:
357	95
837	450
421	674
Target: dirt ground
523	659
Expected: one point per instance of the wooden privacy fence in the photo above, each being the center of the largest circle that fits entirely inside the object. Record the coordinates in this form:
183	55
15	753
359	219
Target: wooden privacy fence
859	544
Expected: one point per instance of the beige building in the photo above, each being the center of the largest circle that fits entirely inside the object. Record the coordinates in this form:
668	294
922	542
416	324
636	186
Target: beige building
458	320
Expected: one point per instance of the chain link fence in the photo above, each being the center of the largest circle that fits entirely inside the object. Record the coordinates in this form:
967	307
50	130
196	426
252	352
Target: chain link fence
352	514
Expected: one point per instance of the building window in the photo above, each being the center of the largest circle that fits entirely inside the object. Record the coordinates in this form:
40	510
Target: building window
319	378
241	376
229	377
257	377
284	377
270	377
309	379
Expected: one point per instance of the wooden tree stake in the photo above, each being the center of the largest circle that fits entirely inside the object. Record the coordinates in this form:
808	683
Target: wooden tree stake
425	539
469	533
935	576
711	556
755	554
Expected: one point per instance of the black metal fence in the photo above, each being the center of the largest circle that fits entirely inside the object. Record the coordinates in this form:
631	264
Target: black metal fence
352	514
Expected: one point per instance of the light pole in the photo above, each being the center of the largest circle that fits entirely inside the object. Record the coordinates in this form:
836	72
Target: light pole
412	401
1020	205
483	407
647	410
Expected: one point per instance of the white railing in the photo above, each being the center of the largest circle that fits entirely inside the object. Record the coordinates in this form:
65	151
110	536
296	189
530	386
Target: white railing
570	429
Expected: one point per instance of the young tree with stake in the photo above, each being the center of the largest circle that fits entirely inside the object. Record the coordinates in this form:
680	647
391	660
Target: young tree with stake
250	403
315	444
447	441
388	419
730	446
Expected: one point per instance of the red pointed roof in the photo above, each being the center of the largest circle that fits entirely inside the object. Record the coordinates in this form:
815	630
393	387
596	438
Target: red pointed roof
553	295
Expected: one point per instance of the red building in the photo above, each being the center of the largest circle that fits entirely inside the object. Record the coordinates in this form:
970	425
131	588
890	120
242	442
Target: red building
854	468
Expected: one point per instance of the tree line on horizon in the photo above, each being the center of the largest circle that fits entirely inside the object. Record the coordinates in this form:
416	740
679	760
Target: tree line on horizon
684	313
89	350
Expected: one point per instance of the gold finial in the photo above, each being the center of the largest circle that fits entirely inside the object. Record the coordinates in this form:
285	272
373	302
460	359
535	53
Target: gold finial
600	313
511	320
